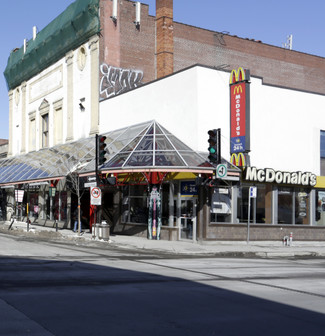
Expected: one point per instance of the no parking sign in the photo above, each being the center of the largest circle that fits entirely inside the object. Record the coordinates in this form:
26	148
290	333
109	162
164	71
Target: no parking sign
95	196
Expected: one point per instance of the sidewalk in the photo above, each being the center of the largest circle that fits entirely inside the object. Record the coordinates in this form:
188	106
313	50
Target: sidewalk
260	249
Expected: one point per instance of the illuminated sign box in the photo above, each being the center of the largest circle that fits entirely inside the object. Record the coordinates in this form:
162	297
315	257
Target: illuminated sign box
239	111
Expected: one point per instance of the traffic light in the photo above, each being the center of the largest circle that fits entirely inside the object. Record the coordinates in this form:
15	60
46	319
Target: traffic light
101	149
214	149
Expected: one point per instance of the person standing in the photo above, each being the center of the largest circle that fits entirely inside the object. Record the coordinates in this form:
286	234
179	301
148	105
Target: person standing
75	218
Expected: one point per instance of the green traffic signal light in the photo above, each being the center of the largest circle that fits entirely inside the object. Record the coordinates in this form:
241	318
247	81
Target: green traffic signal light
101	149
213	145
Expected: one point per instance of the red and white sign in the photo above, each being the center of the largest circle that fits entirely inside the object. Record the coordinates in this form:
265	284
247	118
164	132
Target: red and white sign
238	110
19	195
95	196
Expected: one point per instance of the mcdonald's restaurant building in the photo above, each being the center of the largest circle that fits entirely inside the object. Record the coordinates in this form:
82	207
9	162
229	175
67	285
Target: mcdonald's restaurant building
271	136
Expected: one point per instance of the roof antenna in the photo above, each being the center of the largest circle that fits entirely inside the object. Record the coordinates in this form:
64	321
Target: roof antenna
288	44
34	32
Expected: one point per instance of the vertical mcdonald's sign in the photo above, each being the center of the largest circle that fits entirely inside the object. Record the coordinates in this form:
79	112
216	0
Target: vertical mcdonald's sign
239	111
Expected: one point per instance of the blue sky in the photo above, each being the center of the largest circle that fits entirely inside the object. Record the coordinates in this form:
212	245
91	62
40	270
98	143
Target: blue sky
268	21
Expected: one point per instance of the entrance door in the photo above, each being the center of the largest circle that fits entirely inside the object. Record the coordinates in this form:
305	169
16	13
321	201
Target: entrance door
187	223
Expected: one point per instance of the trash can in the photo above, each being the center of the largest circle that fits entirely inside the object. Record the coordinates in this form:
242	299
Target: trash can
104	231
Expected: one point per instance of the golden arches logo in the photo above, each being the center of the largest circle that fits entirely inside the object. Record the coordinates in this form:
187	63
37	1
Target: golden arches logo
237	75
238	160
238	89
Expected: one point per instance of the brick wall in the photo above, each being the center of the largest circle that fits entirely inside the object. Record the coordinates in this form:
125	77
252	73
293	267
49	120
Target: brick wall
109	42
125	46
138	46
277	66
264	232
122	44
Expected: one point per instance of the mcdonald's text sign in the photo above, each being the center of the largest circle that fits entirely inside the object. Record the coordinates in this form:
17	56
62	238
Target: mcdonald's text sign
239	112
269	175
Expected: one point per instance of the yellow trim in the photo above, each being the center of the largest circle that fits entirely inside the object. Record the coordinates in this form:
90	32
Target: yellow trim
320	182
181	176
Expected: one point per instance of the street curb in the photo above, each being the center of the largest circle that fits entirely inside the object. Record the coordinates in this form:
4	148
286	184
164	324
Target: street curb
171	249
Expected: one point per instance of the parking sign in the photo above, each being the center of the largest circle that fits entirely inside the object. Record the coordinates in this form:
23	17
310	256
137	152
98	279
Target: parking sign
95	196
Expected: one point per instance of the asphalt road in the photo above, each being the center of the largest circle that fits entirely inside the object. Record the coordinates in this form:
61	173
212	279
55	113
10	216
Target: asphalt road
55	288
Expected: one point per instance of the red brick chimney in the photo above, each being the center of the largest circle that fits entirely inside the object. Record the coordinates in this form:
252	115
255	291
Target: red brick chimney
164	38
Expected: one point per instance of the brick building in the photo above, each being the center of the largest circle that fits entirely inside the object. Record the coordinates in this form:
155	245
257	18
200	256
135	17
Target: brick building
119	46
160	46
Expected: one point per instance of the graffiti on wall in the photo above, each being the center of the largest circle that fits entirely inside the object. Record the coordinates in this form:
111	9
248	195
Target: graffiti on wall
117	80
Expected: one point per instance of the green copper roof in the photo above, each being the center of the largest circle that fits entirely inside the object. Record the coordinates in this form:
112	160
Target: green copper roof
69	30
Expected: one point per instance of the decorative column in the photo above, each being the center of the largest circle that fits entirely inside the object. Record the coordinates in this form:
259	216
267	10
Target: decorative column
171	204
69	123
10	95
23	118
41	205
10	203
94	79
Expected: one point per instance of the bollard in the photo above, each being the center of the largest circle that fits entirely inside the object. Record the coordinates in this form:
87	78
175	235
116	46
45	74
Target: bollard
93	231
56	226
97	230
105	231
286	241
100	231
12	222
27	225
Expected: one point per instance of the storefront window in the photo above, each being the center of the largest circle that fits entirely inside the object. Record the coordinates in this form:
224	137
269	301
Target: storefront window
165	204
260	208
135	204
2	204
59	209
293	206
320	209
136	201
221	205
322	152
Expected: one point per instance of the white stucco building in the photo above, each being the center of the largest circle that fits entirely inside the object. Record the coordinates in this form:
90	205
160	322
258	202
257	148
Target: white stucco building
285	124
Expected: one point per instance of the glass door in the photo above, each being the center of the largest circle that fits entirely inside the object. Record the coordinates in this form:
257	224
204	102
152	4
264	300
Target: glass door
187	223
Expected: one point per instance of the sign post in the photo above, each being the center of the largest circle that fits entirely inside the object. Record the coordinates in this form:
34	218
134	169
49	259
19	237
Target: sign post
252	194
95	196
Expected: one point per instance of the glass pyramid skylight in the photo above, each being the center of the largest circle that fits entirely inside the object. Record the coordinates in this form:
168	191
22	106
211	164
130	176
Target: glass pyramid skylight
144	146
149	145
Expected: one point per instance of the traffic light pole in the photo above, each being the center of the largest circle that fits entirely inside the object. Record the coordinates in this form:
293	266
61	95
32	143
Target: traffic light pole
99	161
219	145
96	158
96	172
